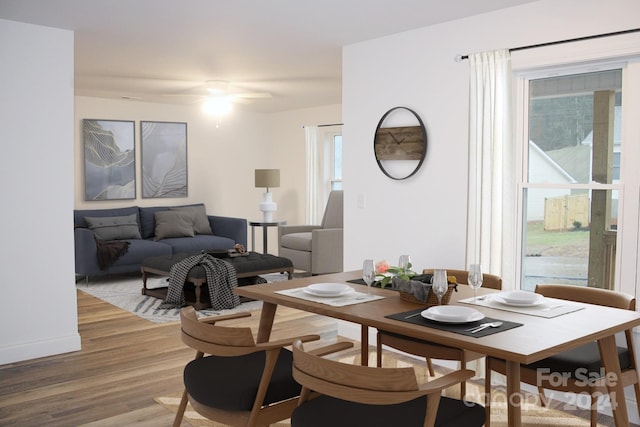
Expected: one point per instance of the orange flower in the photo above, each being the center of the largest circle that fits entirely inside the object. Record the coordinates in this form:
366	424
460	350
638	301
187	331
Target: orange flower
382	266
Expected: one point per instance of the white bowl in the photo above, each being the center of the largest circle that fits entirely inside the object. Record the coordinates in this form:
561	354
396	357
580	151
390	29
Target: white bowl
520	297
328	288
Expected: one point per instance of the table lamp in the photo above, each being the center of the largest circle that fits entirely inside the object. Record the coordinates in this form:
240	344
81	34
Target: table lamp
266	178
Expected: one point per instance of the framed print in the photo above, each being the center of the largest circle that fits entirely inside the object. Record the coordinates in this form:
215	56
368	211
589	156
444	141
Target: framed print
109	159
164	159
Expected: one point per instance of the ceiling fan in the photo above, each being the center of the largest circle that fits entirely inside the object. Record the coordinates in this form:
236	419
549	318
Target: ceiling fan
221	90
217	97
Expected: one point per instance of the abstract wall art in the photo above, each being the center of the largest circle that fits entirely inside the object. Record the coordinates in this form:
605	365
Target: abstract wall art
164	159
109	159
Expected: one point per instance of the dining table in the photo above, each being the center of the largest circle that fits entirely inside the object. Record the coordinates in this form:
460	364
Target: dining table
528	335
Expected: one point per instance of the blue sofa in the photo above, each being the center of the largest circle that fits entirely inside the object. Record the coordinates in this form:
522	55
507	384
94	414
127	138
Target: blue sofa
144	242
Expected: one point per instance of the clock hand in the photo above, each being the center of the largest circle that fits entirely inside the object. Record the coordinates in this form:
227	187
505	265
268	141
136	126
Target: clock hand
394	138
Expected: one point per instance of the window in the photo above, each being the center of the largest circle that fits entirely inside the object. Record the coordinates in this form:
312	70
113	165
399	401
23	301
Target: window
336	162
571	172
324	167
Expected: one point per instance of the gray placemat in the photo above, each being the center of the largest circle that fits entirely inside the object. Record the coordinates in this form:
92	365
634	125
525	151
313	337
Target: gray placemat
458	328
552	307
336	301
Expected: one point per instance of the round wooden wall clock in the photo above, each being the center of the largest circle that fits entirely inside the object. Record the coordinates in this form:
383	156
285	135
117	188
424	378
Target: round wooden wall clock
400	143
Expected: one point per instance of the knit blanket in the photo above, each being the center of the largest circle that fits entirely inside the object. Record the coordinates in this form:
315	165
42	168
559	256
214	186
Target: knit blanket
221	280
108	252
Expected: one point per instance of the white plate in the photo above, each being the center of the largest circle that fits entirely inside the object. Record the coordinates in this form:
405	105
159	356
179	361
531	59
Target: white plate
346	291
452	314
537	301
519	297
328	288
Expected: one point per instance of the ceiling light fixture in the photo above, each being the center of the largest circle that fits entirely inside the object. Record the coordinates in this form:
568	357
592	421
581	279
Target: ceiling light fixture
217	105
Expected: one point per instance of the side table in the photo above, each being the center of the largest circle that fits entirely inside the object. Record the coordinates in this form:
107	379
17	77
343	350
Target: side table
265	226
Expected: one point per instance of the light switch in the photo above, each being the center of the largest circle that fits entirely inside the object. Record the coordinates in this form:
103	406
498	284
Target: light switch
362	201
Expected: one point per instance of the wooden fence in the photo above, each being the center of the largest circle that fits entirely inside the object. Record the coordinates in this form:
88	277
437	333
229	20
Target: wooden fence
560	213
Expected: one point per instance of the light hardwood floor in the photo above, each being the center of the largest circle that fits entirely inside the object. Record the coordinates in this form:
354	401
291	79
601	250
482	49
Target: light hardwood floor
125	362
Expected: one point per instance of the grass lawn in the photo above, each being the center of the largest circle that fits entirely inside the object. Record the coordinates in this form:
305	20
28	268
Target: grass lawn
553	243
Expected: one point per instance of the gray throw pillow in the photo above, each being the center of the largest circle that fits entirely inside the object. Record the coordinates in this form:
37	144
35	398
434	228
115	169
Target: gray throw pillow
200	220
114	227
173	224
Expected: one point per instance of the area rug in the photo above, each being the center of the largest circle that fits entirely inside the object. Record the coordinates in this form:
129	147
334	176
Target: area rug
125	292
532	413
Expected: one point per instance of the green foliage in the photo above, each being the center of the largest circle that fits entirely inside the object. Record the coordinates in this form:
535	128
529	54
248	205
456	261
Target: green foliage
402	273
537	235
559	122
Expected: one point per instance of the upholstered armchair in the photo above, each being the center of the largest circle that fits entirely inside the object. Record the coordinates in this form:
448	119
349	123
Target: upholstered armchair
317	249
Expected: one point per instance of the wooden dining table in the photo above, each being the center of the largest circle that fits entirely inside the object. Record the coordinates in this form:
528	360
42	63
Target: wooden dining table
536	339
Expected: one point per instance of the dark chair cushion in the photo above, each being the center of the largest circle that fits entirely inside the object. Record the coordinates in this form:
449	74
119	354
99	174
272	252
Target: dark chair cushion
231	383
586	356
326	411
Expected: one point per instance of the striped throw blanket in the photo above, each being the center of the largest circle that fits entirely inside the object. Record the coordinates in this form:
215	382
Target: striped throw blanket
221	280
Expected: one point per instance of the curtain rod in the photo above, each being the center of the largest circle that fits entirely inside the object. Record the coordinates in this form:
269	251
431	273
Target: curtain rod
595	36
329	124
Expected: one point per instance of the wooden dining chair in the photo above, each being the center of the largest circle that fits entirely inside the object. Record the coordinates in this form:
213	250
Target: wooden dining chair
431	350
345	395
233	380
579	364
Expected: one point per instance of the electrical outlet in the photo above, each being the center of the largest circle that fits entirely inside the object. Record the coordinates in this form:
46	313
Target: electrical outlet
362	201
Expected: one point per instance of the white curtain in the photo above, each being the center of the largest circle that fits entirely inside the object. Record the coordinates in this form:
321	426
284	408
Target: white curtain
313	174
490	231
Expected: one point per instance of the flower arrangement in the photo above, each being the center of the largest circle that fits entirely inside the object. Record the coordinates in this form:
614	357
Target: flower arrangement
383	267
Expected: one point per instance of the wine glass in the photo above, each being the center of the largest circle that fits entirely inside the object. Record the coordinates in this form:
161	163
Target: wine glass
368	273
475	278
440	285
404	262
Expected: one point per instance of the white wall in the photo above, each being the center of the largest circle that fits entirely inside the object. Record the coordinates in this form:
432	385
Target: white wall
39	311
425	215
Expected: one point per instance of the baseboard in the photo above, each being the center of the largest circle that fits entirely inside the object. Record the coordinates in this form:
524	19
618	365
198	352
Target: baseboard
34	350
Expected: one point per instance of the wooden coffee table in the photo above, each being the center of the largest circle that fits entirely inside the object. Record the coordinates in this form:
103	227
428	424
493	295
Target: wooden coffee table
251	265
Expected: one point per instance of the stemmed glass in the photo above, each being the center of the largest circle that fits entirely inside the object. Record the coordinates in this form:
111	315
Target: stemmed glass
404	262
475	278
368	273
440	285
